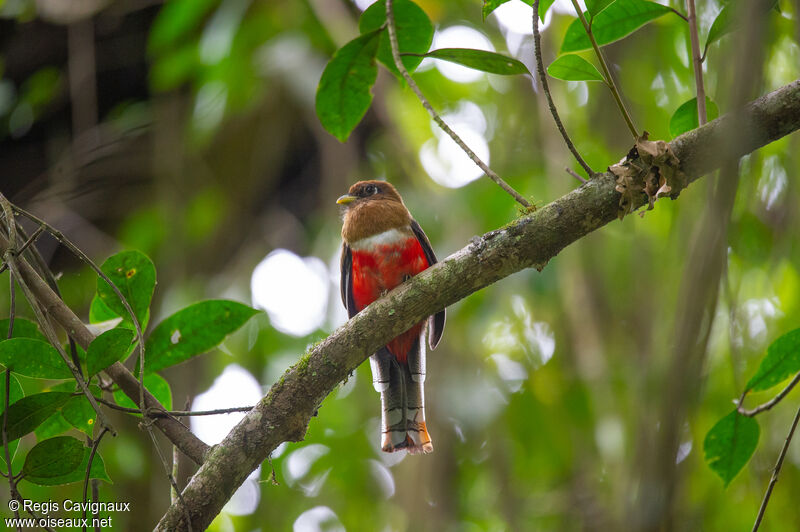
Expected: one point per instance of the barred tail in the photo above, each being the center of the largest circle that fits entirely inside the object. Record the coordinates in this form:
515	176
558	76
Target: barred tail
401	386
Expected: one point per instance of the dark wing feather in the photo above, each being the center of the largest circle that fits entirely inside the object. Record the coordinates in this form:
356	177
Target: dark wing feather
435	322
346	283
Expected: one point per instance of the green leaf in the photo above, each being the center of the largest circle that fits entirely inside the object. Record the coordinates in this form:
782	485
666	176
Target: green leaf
33	358
193	331
134	274
55	457
175	67
618	20
56	424
175	20
730	18
79	413
782	360
730	444
491	5
414	32
155	384
480	60
22	329
108	348
29	412
685	117
99	311
77	475
344	92
573	68
593	7
52	426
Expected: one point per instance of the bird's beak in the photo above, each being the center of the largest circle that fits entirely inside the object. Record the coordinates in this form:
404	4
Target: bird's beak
344	200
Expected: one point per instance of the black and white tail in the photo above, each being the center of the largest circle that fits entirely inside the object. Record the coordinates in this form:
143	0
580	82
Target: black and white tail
401	386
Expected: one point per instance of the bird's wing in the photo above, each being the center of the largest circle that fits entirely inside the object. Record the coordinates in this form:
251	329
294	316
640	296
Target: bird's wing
346	284
435	322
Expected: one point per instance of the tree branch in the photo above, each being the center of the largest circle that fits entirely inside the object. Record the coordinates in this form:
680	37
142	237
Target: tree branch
530	241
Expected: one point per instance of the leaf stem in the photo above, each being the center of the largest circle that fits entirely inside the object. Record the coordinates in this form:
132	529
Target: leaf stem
697	61
684	17
612	86
774	479
546	89
398	63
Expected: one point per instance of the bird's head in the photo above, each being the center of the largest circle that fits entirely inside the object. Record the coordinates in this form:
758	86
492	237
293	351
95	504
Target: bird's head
365	192
371	207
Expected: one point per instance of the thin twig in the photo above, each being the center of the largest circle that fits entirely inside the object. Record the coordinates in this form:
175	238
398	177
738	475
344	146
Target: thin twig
173	492
39	519
774	479
168	471
697	62
769	404
398	63
12	484
11	223
546	89
177	413
95	497
612	86
95	445
40	265
574	174
12	306
27	243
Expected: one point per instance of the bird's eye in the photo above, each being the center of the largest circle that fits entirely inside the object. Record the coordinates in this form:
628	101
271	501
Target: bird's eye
370	190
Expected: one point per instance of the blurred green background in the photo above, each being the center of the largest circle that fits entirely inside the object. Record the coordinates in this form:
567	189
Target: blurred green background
186	129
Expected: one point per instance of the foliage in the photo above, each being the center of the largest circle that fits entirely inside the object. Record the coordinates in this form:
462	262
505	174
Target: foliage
548	388
57	460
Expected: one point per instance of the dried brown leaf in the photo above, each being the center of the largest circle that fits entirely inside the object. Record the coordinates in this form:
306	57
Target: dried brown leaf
650	167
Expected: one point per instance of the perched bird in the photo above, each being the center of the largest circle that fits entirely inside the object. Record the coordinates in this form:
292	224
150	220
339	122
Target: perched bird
382	247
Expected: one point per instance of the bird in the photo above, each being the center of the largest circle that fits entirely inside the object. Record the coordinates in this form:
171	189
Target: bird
383	246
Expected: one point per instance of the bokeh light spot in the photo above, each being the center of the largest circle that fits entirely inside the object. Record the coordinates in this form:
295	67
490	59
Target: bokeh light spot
293	291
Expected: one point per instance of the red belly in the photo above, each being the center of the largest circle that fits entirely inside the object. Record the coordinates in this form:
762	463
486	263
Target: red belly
381	268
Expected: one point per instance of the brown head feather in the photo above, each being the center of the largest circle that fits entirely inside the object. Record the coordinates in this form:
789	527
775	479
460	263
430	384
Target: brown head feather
378	208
